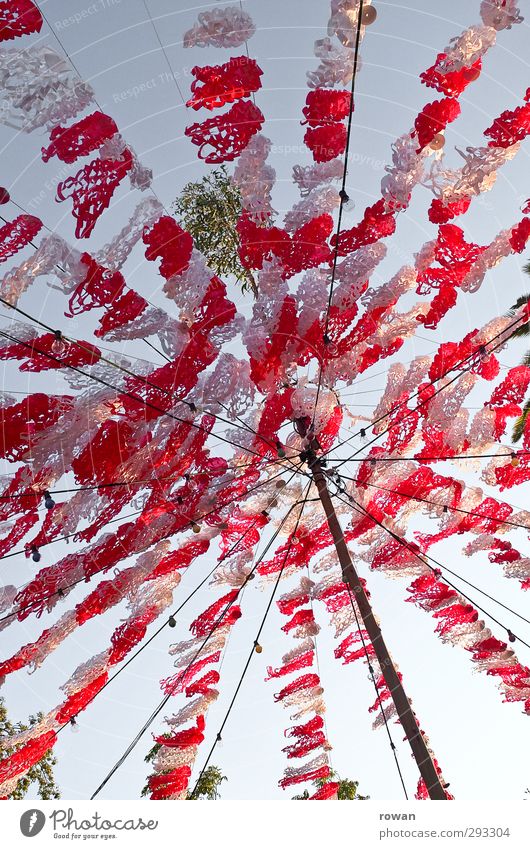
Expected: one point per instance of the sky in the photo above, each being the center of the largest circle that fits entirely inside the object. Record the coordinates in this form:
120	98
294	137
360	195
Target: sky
482	744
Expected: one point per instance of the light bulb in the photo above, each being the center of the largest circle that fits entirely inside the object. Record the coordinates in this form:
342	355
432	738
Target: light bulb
280	484
35	554
49	503
257	648
5	197
58	344
437	142
280	449
196	528
369	15
73	725
362	434
172	622
511	637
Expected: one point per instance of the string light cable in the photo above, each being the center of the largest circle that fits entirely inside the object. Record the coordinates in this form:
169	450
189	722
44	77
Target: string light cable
174	686
170	621
61	590
424	558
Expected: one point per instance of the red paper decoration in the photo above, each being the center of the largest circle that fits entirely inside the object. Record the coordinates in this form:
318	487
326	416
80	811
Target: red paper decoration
18	17
186	738
510	127
222	84
16	234
327	142
92	188
325	106
453	83
167	240
377	223
328	791
221	611
83	137
306	248
228	134
440	211
99	288
26	756
78	701
520	235
41	356
22	422
310	775
170	783
434	118
121	312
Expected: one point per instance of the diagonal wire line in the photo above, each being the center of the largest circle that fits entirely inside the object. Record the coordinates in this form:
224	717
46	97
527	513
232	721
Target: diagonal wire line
166	698
445	507
400	404
132	374
172	615
424	558
134	397
98	571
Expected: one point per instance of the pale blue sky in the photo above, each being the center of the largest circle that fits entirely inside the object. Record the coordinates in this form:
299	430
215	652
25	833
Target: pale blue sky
481	744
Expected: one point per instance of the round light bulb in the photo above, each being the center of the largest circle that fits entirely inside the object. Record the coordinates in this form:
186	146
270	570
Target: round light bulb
369	15
257	648
58	344
196	528
438	142
5	197
172	622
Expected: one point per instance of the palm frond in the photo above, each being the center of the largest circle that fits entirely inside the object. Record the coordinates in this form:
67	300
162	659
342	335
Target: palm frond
524	329
520	423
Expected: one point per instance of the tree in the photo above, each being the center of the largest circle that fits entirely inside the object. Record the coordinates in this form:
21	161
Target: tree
523	330
207	785
41	774
347	788
209	210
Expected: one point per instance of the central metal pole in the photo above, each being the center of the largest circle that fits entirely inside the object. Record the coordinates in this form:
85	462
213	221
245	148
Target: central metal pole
351	578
